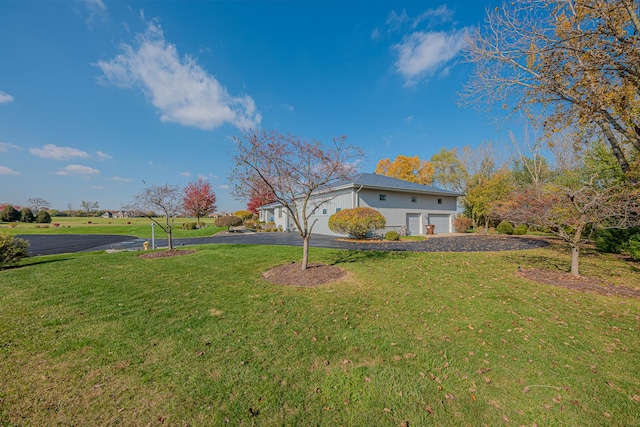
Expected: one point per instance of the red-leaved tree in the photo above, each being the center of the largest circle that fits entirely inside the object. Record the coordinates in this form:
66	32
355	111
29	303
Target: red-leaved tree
571	212
260	195
199	200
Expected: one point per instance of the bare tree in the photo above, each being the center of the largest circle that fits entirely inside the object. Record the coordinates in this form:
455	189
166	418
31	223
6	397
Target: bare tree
165	198
296	172
576	60
37	203
89	207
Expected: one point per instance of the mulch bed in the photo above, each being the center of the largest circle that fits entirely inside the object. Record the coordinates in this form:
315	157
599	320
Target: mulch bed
314	275
580	283
166	254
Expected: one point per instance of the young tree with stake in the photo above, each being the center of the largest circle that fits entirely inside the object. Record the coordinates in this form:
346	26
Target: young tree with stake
296	171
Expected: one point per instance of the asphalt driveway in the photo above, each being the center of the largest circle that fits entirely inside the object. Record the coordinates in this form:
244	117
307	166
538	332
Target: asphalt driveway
57	244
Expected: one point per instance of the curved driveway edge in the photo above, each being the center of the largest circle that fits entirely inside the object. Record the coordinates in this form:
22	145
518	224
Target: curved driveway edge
52	244
48	244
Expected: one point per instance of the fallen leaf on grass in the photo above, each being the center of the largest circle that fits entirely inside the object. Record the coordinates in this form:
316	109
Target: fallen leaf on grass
636	398
606	414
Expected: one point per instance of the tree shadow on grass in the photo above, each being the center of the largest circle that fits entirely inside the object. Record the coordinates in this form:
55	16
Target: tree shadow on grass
347	256
29	264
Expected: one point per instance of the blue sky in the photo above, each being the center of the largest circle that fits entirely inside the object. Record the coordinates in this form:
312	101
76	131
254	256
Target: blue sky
97	96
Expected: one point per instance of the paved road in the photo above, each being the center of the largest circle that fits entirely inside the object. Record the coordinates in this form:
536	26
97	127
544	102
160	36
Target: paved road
65	243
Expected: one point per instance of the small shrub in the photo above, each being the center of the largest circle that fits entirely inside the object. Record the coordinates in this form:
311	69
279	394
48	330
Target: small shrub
228	221
462	224
521	230
357	222
56	224
128	222
12	249
392	235
505	227
632	247
189	225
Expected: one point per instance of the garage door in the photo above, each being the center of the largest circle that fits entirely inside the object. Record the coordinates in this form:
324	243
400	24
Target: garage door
413	224
440	221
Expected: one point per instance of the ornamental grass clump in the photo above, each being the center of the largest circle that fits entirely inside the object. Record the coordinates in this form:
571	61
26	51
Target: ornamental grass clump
357	222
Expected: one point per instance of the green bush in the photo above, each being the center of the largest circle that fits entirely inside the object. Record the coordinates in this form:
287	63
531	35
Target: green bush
12	249
43	217
392	235
521	229
462	224
614	240
189	225
26	215
228	221
9	214
357	222
505	227
632	247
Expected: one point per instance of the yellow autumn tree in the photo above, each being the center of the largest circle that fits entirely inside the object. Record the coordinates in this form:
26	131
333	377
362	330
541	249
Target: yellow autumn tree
407	168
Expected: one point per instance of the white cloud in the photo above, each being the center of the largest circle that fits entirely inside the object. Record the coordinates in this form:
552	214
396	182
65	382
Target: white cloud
5	98
408	119
52	151
177	86
97	187
8	171
421	53
288	107
224	187
5	147
207	177
187	174
77	170
120	179
97	9
103	156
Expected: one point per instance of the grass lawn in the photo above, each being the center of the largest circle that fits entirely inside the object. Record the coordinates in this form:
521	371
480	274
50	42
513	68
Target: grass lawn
423	339
139	227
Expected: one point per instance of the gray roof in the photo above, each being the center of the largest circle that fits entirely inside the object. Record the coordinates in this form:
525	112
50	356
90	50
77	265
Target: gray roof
382	182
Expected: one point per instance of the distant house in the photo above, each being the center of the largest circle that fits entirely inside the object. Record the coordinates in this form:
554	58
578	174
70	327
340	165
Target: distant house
122	214
407	206
119	214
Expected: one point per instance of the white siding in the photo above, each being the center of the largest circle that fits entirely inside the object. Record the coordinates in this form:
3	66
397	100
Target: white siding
342	200
395	208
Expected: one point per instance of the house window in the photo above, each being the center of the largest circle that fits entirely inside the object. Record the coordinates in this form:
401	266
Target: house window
324	211
383	197
338	210
439	201
414	199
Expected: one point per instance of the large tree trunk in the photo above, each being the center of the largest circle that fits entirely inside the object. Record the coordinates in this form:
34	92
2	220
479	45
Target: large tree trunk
305	251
